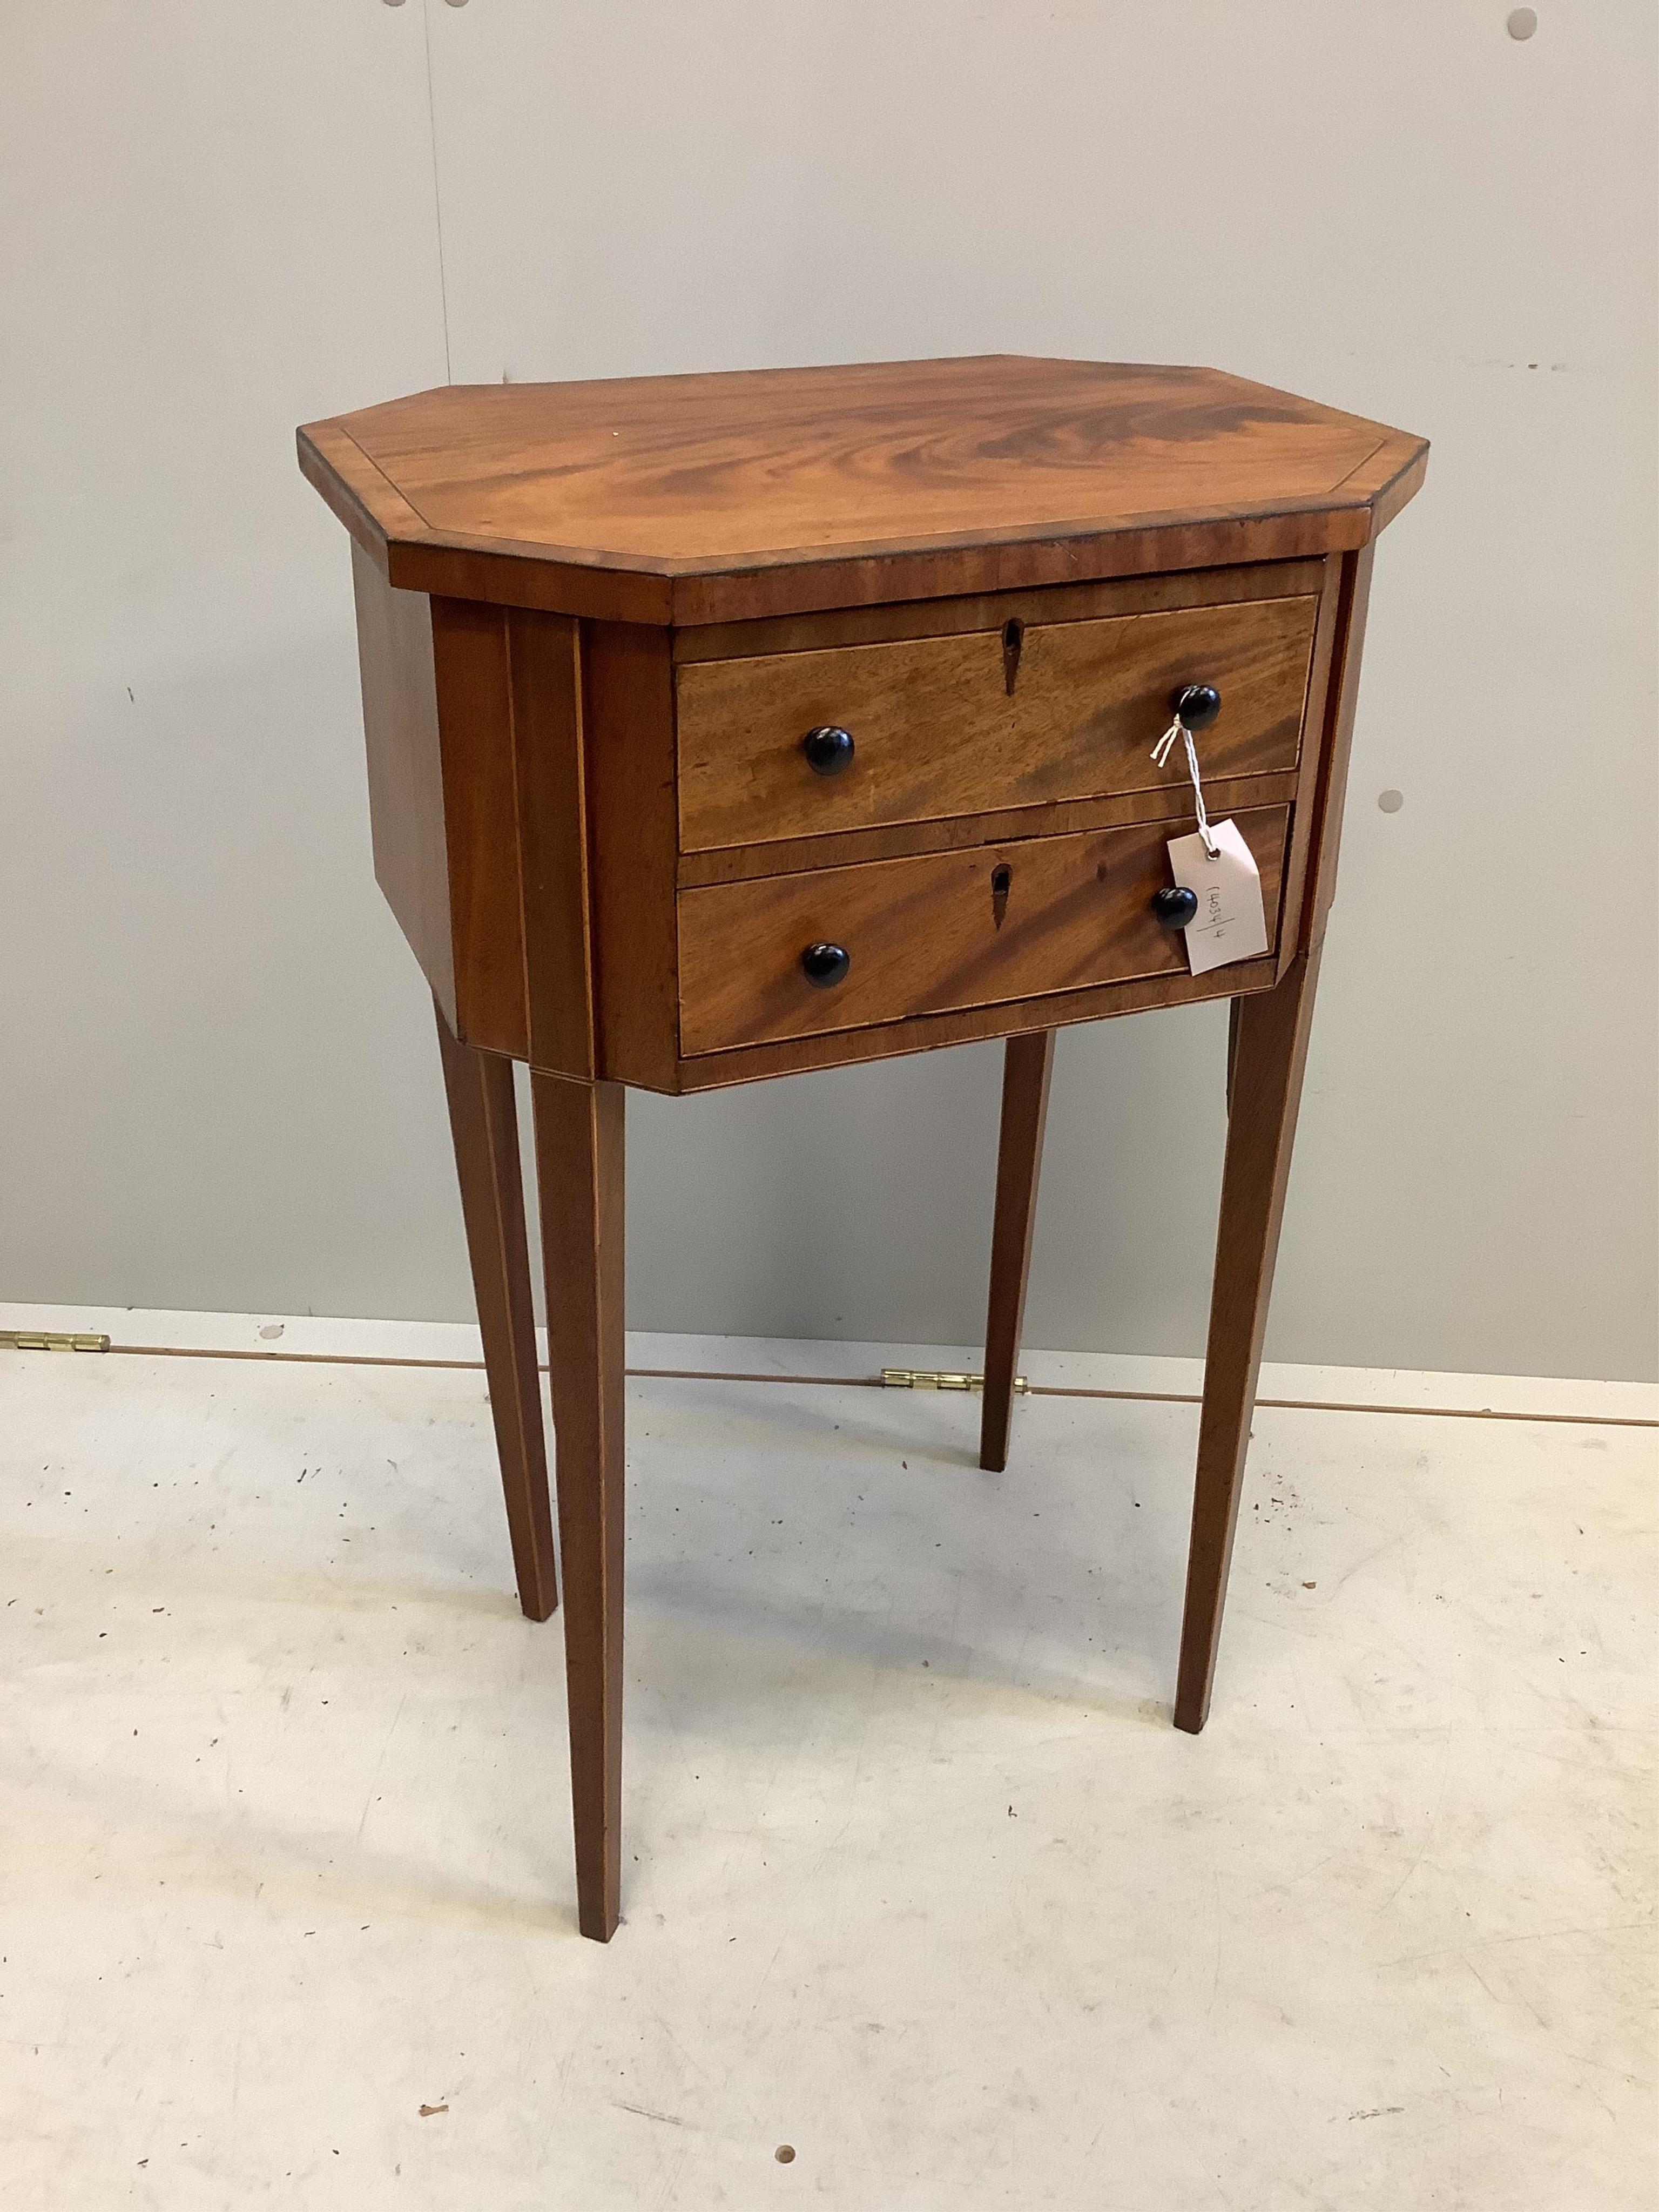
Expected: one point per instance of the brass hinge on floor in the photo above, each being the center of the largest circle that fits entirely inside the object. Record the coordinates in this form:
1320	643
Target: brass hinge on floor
936	1378
48	1340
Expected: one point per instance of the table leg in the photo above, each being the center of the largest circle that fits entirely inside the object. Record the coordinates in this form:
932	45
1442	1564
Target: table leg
1270	1048
1027	1066
579	1170
484	1124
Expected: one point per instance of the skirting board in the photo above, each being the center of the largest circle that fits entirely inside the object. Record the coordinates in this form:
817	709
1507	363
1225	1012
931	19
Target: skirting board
784	1359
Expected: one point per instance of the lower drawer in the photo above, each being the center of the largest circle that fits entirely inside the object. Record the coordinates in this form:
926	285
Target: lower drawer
938	931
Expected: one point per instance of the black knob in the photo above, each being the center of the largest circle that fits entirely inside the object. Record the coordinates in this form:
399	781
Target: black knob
824	964
828	750
1196	704
1175	906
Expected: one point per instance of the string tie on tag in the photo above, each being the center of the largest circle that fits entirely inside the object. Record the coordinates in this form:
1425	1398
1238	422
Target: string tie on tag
1161	752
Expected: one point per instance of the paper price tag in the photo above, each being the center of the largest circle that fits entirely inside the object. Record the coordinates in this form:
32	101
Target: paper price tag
1231	922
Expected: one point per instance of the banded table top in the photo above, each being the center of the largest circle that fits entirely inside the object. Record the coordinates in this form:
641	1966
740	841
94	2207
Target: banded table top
713	497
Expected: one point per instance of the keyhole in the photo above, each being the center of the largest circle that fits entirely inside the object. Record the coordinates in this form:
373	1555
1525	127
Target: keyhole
1001	877
1013	637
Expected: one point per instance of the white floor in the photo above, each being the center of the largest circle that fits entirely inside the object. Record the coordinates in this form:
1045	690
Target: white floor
919	1880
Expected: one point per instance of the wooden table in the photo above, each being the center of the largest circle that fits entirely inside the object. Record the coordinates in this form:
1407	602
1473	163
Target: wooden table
723	726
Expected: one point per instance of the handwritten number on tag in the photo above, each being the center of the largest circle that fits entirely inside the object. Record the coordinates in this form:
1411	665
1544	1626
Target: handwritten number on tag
1231	922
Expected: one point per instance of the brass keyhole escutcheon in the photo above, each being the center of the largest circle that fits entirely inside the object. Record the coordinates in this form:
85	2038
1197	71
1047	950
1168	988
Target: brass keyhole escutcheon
1001	877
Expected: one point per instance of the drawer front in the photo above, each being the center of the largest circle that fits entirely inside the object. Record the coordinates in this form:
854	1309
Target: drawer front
937	731
938	931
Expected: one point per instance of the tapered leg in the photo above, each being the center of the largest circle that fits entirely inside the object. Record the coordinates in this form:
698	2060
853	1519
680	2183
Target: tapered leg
579	1170
484	1123
1027	1066
1270	1047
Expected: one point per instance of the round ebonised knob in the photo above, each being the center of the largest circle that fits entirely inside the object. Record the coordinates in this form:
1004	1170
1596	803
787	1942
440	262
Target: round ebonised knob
1197	705
828	750
1175	906
824	964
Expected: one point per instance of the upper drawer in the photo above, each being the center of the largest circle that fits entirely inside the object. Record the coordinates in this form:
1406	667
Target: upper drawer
936	729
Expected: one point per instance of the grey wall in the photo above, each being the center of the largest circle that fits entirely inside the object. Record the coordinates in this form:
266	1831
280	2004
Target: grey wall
221	1087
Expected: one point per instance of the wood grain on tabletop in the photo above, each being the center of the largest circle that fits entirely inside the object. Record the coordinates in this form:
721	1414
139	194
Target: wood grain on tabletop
667	499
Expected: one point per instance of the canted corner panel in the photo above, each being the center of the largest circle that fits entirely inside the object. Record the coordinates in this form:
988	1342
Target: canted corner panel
406	769
549	743
1311	772
481	831
628	724
1339	719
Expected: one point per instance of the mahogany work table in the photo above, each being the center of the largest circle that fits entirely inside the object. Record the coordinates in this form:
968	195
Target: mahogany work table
721	727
